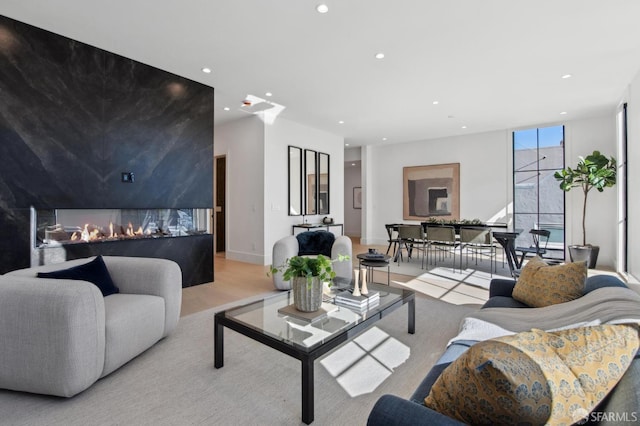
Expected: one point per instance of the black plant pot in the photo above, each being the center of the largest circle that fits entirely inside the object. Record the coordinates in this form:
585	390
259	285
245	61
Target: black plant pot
586	253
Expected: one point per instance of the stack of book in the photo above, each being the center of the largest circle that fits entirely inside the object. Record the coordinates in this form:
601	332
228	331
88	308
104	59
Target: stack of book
358	303
375	256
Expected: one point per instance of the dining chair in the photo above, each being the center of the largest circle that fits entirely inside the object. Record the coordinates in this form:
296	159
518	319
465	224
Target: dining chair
443	240
478	242
393	240
411	237
539	238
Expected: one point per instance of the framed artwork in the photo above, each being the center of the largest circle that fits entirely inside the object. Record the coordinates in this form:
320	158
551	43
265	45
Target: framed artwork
357	197
431	191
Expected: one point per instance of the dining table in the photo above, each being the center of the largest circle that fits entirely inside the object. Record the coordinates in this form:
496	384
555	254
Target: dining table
506	239
457	226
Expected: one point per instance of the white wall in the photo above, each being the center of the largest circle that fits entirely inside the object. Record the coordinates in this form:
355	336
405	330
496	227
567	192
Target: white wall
485	167
242	141
278	136
582	137
486	180
257	182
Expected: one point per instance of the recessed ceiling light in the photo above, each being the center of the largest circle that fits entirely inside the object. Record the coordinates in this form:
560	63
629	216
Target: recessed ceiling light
268	94
567	76
227	109
464	127
436	102
206	70
563	113
341	122
353	164
384	139
346	144
380	55
322	8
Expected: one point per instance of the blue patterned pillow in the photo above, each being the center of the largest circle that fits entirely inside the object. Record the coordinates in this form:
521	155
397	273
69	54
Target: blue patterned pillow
535	377
542	285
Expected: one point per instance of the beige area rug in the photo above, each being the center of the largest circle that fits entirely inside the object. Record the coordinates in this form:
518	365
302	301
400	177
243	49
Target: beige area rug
175	383
457	283
415	266
458	287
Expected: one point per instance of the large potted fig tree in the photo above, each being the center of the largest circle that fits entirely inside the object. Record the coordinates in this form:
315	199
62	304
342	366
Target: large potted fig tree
593	171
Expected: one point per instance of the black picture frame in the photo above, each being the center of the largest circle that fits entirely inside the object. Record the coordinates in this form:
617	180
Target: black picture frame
357	197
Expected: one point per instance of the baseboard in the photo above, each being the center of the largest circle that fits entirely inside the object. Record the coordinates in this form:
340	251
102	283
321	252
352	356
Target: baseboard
257	259
373	242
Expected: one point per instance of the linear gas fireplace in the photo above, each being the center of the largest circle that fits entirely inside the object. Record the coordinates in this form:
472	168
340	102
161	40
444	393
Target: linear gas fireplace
73	226
182	235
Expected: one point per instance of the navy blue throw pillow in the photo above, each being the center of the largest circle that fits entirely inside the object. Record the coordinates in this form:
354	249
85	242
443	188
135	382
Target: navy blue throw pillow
95	272
315	242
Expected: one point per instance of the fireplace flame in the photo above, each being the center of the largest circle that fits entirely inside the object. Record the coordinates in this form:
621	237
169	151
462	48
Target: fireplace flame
84	236
91	232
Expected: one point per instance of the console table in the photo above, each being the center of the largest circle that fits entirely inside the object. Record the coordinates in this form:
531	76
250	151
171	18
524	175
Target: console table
315	227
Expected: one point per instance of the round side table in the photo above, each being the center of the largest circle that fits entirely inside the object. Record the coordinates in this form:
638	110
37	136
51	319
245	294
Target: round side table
370	262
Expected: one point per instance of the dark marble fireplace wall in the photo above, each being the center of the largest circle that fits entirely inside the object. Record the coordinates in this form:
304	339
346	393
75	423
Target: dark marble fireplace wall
73	118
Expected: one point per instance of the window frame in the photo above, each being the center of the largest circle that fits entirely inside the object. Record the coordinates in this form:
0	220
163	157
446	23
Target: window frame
529	168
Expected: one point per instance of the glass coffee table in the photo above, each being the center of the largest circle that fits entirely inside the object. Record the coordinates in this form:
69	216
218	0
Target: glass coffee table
268	322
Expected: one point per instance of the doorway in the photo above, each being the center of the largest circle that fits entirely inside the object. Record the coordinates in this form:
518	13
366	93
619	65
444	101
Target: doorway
352	202
220	185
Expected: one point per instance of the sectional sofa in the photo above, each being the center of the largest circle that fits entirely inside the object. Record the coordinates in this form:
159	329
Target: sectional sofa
604	303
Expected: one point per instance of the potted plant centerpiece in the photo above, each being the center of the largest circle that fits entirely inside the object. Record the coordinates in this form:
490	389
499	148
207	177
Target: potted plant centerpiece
307	275
593	171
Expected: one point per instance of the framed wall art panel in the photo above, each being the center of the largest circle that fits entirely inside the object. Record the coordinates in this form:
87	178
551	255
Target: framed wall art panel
431	191
357	197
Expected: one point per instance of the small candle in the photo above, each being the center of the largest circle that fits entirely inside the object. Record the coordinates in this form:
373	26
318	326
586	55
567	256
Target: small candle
356	284
364	290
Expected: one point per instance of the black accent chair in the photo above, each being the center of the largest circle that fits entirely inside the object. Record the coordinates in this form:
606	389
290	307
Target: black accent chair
540	239
393	240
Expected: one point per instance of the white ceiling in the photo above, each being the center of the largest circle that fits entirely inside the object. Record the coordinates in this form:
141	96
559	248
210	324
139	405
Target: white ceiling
491	64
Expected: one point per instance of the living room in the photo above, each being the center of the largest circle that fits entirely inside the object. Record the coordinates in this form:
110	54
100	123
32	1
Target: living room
440	132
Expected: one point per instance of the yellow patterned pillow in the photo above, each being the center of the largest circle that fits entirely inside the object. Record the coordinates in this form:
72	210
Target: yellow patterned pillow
541	285
535	377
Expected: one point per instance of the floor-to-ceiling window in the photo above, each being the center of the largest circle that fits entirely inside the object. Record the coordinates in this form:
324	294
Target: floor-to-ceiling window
538	201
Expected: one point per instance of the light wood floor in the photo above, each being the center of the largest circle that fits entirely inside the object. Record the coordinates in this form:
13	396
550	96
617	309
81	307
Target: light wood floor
235	281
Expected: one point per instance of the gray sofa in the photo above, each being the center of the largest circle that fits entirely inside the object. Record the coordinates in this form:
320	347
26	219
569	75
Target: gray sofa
311	243
624	400
58	336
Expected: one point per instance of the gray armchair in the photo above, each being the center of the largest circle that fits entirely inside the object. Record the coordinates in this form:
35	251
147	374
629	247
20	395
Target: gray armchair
311	243
58	336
